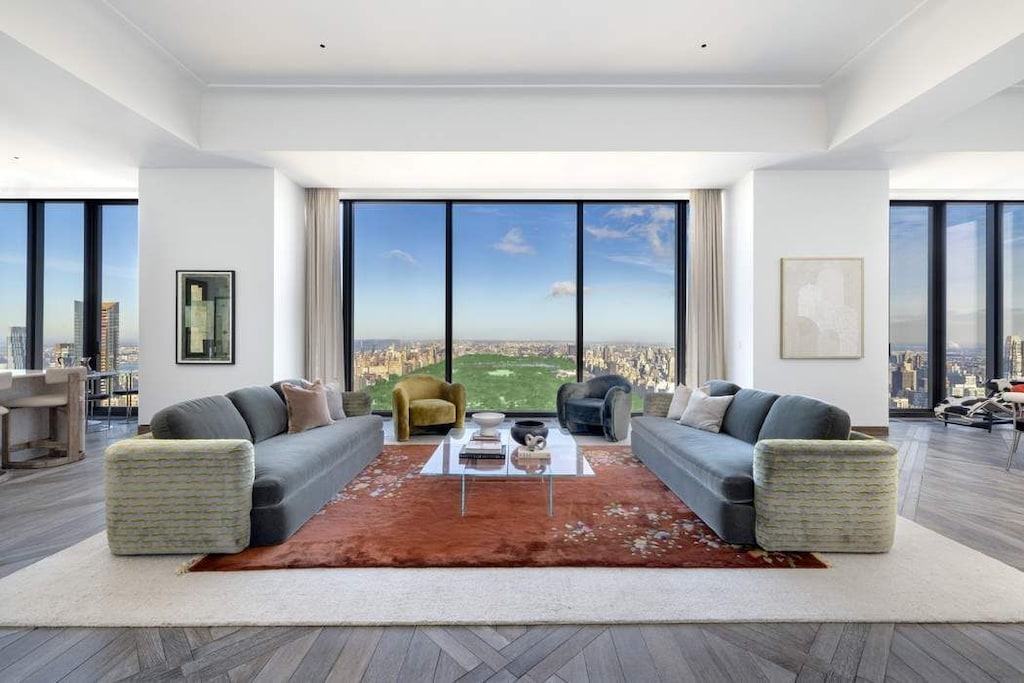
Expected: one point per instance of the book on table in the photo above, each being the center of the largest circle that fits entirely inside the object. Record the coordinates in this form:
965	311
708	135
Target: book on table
484	448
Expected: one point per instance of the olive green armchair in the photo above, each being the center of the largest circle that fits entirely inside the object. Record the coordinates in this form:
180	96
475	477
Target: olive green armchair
425	401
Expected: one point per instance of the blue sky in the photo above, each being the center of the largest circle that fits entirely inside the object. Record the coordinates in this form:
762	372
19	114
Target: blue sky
514	271
63	267
965	273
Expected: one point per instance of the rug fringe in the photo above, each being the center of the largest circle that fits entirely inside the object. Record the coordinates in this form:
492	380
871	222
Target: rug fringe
186	566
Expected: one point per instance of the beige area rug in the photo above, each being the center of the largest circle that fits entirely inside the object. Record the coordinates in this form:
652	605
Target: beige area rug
926	578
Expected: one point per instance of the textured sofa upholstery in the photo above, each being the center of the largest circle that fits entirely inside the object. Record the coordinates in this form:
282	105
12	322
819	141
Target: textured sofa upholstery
599	404
290	476
426	401
785	472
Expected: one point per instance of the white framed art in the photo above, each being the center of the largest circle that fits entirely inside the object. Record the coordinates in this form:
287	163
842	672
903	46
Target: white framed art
822	307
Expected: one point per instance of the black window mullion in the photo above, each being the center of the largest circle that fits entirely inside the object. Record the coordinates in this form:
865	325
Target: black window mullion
347	297
34	298
448	291
579	291
92	284
994	287
937	303
680	308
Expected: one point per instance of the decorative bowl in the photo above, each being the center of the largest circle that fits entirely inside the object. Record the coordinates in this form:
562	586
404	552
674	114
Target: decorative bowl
488	422
523	427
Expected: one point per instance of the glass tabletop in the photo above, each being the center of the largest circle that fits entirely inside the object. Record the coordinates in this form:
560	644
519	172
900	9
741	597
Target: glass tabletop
565	460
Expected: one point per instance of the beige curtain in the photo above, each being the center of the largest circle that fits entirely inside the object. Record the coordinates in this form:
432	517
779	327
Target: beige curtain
324	340
705	297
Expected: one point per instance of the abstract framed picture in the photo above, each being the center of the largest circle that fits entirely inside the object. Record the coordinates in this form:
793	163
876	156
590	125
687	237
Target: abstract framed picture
205	322
822	307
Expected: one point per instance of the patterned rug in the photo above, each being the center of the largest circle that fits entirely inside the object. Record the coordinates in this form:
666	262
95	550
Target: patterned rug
390	516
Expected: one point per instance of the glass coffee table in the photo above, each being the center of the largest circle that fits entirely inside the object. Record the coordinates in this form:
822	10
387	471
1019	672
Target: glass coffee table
566	460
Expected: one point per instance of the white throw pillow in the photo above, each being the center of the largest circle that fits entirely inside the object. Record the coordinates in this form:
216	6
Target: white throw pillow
705	412
679	401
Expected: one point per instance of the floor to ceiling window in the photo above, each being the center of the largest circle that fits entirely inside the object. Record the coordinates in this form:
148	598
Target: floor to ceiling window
69	273
513	303
503	296
956	299
399	294
629	293
13	283
909	320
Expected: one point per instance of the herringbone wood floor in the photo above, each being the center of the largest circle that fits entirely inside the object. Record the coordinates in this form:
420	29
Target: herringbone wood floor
951	480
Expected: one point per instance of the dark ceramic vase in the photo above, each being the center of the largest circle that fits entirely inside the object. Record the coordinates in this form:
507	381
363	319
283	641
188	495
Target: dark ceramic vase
523	427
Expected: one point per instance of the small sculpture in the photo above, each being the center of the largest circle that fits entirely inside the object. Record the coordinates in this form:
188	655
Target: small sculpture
536	442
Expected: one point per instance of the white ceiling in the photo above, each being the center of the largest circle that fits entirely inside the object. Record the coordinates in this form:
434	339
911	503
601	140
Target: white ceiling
750	42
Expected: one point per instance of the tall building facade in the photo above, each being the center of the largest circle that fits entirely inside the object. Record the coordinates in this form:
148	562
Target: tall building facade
16	346
1013	360
110	336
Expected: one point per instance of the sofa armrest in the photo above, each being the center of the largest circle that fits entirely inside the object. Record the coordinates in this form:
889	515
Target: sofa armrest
356	403
400	400
566	392
825	495
615	413
656	403
456	394
178	495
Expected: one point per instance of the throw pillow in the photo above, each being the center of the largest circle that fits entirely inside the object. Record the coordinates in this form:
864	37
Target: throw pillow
705	412
307	408
680	399
334	402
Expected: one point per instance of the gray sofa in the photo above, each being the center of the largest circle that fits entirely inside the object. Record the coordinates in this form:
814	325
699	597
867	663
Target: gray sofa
291	476
785	472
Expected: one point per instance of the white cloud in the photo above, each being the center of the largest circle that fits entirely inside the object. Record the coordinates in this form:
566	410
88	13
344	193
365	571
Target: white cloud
661	267
513	243
566	288
400	255
607	233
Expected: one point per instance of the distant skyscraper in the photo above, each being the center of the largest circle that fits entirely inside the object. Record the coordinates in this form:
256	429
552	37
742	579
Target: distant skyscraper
1013	359
79	326
16	342
110	335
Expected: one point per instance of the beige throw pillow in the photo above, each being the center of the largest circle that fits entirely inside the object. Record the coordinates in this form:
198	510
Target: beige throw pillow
680	399
334	402
705	412
307	408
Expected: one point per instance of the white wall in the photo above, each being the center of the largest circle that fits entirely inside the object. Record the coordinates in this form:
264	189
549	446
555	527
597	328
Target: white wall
289	278
809	213
738	238
215	219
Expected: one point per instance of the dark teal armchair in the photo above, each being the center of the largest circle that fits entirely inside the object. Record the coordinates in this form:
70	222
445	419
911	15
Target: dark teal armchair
599	405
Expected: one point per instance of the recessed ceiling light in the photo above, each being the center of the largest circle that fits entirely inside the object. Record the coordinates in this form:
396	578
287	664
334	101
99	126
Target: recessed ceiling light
15	158
703	45
323	46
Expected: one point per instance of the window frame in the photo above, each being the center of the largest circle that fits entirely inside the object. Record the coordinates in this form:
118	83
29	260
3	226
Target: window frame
92	228
347	229
937	282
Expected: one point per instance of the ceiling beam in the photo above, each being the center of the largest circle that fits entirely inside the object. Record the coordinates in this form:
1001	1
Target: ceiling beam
92	42
943	59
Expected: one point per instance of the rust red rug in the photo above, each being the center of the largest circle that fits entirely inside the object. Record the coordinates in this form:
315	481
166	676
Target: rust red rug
390	516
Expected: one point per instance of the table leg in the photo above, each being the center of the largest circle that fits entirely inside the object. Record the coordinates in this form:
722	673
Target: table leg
551	496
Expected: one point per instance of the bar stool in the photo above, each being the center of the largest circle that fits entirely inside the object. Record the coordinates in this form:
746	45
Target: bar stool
6	380
69	402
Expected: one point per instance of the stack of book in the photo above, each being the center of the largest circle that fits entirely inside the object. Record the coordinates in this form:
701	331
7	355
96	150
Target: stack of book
484	448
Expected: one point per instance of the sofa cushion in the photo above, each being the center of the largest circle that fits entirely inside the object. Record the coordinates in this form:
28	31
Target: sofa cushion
747	412
431	411
262	409
720	387
721	463
287	462
680	399
802	417
276	386
210	417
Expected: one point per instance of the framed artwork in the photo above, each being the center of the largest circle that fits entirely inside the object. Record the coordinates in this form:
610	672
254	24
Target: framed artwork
822	308
205	323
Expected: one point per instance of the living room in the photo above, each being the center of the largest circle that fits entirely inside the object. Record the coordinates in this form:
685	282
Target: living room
519	195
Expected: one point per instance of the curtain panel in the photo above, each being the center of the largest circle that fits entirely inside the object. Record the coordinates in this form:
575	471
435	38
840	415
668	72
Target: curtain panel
705	295
324	329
